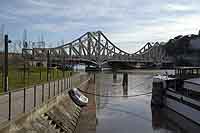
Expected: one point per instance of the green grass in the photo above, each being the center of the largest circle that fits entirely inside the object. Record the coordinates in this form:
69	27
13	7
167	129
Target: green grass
32	76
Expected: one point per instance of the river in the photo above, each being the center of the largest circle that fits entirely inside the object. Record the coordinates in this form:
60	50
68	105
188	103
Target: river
125	113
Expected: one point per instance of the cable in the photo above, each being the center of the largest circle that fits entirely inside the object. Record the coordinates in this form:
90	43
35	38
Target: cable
99	95
141	83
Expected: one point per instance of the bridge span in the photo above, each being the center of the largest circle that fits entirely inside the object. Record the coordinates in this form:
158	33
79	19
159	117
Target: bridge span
95	48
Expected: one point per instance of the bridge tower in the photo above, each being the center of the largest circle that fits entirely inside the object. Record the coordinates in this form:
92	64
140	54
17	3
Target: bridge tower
98	51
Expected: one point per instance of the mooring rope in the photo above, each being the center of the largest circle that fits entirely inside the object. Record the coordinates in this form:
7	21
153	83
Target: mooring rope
137	95
99	95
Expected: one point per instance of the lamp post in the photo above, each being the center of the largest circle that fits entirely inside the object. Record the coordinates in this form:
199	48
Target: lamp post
48	64
6	63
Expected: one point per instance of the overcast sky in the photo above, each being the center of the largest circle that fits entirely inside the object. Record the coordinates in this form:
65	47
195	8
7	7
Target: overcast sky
128	23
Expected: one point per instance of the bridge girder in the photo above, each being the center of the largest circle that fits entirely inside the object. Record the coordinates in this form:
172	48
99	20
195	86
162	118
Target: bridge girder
96	47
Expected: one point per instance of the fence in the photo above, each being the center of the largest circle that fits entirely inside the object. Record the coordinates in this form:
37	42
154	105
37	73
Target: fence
1	71
1	56
39	81
15	103
17	71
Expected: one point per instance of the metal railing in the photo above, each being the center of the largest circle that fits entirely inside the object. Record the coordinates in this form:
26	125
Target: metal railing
18	72
18	102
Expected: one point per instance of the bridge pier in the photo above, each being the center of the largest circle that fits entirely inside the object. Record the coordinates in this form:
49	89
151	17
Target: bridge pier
114	77
125	79
125	84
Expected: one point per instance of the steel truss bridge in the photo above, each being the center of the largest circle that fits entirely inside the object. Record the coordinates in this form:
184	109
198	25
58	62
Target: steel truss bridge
95	48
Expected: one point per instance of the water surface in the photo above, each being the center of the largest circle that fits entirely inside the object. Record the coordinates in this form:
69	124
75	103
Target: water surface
129	114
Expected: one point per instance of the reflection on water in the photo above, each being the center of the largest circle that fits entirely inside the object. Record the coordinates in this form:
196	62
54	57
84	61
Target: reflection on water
125	84
125	90
132	114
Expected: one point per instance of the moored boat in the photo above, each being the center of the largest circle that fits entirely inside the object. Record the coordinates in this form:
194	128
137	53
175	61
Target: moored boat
182	96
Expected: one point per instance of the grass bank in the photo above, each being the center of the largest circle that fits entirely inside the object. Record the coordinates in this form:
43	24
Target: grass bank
18	79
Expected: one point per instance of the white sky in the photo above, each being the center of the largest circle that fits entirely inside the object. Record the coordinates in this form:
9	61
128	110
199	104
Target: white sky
128	23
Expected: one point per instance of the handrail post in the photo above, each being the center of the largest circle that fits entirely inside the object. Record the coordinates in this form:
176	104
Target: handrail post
64	80
6	63
68	80
54	88
42	93
24	109
9	106
49	90
61	85
58	86
34	95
